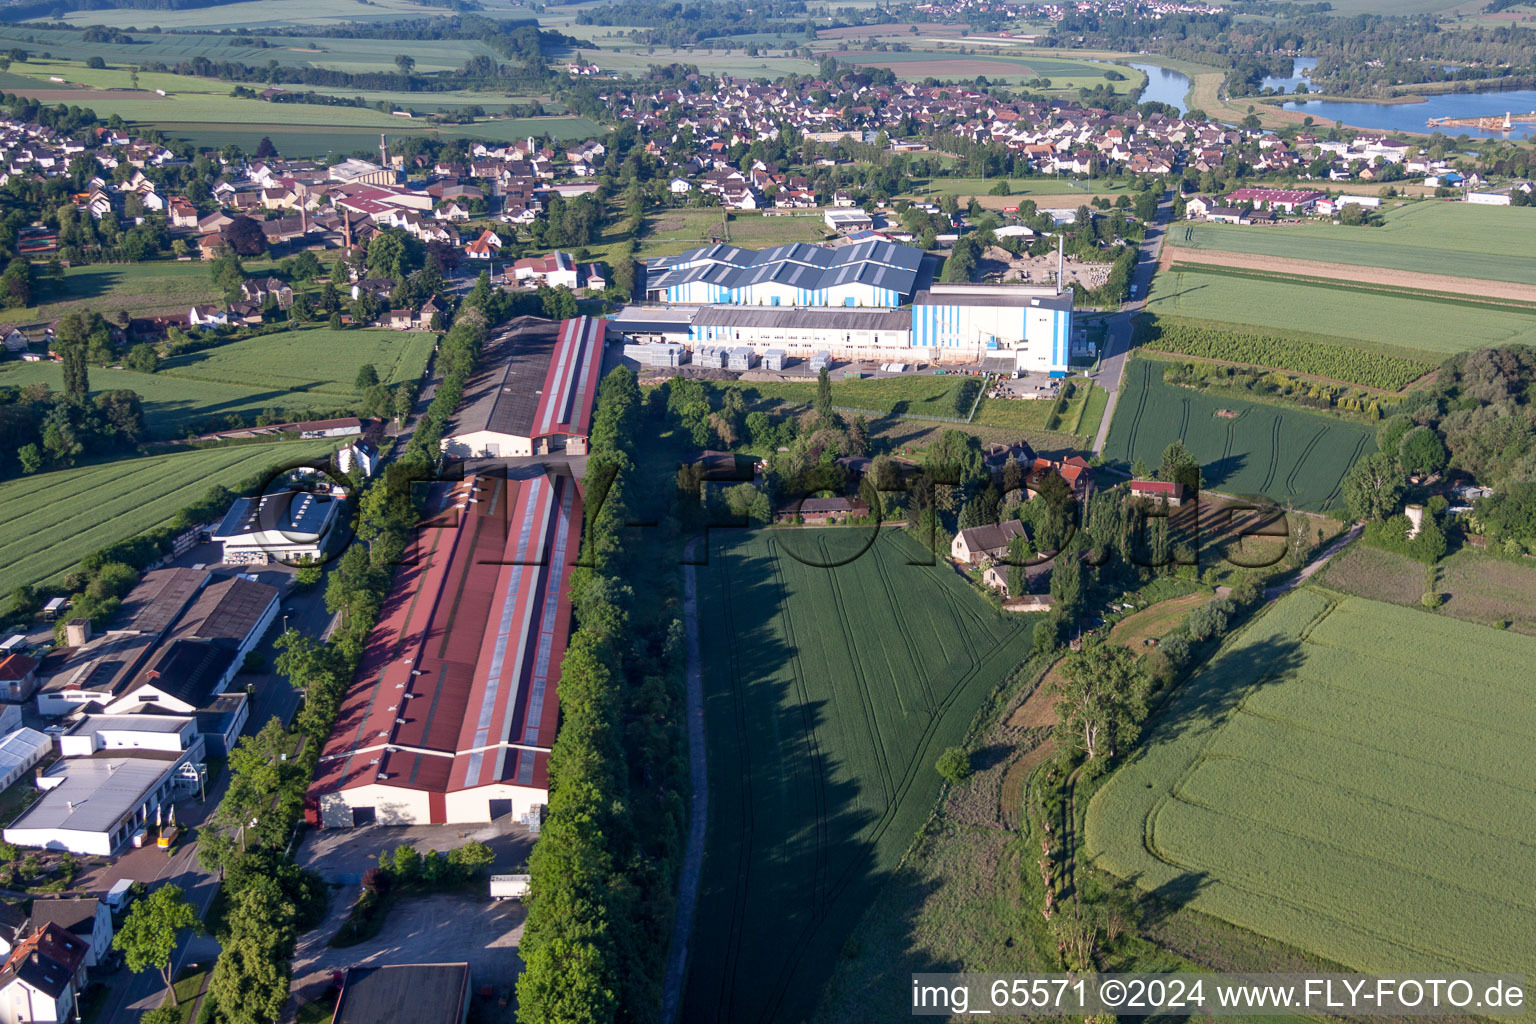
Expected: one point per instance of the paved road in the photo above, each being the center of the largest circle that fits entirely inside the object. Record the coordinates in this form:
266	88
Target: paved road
698	812
1117	338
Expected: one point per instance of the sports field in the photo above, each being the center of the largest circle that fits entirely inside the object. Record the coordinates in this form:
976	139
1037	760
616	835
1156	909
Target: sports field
829	695
1349	777
1455	239
1287	455
294	370
48	522
1415	325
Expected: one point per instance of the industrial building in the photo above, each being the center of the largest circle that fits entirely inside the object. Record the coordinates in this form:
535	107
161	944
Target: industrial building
868	301
533	392
453	710
946	323
870	273
285	526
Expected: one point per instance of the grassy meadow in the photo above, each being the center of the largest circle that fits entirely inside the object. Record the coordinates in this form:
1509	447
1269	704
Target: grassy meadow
48	521
311	369
1287	455
159	288
1348	777
829	693
1412	324
1455	239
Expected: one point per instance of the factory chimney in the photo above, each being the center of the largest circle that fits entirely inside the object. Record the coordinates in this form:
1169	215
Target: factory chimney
1061	259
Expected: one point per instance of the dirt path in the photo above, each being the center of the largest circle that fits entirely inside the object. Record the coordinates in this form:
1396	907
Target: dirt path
1472	288
1313	567
698	811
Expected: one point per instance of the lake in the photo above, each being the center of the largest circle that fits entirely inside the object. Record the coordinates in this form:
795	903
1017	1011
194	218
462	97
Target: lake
1411	117
1300	68
1164	85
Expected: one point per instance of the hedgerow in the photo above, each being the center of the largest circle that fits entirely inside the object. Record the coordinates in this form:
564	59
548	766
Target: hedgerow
1299	355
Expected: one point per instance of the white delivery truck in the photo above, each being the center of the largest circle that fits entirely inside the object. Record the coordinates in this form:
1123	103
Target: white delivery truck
509	887
117	896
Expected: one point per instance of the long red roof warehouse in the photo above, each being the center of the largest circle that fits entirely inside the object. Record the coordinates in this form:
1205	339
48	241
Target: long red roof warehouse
457	686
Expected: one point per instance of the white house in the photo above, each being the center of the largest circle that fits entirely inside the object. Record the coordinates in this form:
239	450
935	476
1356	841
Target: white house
983	542
42	978
87	919
679	186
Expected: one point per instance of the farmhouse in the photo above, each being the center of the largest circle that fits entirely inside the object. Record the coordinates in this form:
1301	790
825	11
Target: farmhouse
1075	471
991	541
554	270
1159	490
533	392
820	511
452	712
1290	200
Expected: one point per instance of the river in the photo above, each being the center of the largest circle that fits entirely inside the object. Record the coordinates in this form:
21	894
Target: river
1165	86
1411	117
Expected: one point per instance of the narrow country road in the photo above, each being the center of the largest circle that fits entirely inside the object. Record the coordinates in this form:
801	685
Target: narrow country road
1117	336
1312	567
698	811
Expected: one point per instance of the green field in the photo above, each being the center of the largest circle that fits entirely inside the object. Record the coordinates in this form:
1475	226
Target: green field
257	13
829	694
1287	455
295	370
49	521
1412	324
161	288
202	111
1458	239
1350	778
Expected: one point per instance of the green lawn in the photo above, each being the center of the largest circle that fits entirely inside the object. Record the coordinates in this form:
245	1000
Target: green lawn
911	395
1401	323
49	521
299	371
829	694
1290	456
1348	777
1429	237
760	232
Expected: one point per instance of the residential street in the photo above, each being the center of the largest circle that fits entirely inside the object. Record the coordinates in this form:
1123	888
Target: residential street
1117	336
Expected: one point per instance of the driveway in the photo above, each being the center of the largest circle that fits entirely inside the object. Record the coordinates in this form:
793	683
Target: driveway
341	855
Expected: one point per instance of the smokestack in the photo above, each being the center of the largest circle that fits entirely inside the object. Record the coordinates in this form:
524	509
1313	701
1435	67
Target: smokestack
1061	260
383	151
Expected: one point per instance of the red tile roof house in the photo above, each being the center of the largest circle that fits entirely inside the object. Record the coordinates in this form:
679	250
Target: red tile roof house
485	247
1075	471
42	977
1159	490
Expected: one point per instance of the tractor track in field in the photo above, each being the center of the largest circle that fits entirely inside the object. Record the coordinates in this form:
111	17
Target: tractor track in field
1338	484
1274	454
1301	460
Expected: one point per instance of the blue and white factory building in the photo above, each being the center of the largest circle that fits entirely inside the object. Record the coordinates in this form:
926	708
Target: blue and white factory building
858	302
